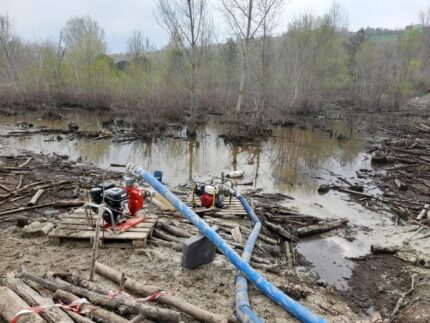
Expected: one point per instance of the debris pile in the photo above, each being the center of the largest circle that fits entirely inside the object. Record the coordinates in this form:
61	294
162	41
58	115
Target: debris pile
34	186
400	169
282	228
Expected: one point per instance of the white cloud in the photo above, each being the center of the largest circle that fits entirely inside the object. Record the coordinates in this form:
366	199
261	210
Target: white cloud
43	19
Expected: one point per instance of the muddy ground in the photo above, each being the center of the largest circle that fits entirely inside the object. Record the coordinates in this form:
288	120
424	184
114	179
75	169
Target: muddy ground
375	286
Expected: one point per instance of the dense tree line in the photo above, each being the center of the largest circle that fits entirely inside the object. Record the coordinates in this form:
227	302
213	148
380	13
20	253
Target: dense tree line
253	72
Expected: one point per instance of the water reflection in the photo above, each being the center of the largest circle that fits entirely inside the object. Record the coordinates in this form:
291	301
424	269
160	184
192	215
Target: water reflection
300	157
291	161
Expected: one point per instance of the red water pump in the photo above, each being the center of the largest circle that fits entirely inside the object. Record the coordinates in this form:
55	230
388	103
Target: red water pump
135	196
122	205
210	195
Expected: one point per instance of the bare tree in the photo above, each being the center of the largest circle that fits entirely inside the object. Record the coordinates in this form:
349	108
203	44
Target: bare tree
8	44
270	22
188	23
84	39
136	45
246	18
424	18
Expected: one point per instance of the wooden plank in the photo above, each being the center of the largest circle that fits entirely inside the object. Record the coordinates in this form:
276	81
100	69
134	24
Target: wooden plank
75	227
150	218
78	222
82	228
230	212
90	234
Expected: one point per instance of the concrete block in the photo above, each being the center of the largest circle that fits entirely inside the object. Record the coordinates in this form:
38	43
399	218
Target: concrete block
197	251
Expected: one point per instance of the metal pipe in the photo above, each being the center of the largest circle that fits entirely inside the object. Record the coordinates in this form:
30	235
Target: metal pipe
294	308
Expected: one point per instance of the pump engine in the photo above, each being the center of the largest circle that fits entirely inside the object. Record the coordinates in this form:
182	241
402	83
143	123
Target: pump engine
116	200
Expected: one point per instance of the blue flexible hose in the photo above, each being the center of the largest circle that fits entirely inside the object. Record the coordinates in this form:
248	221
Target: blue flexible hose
291	306
244	312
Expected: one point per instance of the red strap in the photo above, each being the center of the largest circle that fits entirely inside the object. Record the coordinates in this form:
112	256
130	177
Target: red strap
151	298
75	306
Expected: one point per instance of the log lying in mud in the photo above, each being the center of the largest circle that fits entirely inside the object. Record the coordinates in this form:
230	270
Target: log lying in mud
33	298
280	231
97	313
174	231
58	204
320	228
21	209
78	318
68	203
168	237
388	250
10	304
176	246
171	300
423	212
121	305
36	197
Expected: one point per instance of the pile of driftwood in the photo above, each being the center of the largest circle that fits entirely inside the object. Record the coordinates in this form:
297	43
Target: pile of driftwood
400	169
30	182
282	228
72	133
64	297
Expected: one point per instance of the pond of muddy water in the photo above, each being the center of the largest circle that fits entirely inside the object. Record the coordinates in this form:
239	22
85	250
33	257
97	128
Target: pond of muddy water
293	161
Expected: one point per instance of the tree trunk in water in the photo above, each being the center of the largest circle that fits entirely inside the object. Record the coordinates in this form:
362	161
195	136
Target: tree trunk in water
241	88
316	229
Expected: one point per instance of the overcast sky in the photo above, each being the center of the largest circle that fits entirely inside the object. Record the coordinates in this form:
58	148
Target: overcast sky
43	19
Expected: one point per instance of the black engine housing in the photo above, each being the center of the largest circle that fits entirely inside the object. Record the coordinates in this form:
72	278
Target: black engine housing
114	198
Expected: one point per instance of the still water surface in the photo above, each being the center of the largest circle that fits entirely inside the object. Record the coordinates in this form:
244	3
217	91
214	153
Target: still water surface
293	161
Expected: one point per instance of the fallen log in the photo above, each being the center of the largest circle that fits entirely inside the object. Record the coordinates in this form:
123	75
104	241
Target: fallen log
4	187
423	212
287	253
401	300
174	231
98	313
78	318
231	225
10	304
21	209
280	231
33	298
168	237
68	203
118	165
163	243
19	183
388	250
26	162
320	228
36	197
174	301
122	305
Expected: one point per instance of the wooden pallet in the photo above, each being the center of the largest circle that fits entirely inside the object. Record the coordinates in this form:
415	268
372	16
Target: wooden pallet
234	208
74	227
